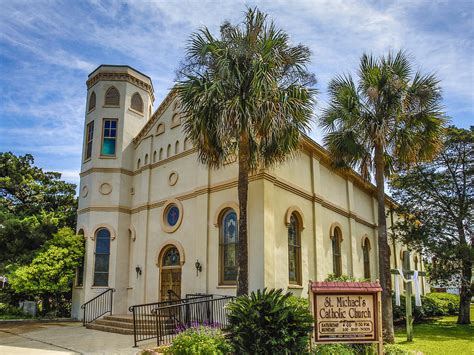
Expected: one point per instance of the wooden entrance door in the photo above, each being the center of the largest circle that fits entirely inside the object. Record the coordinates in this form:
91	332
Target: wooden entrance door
170	273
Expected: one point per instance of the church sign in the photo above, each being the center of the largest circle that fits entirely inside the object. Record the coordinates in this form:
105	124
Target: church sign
346	311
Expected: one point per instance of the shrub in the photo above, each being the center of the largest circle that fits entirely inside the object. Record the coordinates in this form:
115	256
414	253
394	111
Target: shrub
201	341
393	349
343	278
432	305
9	310
331	349
269	322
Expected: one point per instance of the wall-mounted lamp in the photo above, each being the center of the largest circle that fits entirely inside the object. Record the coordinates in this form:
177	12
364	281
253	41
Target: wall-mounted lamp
198	266
138	269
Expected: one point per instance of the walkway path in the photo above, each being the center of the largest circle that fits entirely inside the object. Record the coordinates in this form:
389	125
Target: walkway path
62	338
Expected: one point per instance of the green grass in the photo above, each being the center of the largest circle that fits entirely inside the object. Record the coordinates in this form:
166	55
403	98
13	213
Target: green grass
440	336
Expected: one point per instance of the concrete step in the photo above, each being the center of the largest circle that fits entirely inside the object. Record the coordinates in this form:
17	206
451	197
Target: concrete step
114	323
109	329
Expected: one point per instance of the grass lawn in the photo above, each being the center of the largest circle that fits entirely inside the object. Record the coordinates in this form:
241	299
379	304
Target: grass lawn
441	336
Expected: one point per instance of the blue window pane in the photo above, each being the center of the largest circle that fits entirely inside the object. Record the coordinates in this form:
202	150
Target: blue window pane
113	124
103	233
108	146
107	124
102	246
172	216
113	133
230	228
101	279
102	263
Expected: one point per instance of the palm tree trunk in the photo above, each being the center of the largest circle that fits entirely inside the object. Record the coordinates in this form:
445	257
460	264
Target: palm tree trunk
384	258
464	316
243	186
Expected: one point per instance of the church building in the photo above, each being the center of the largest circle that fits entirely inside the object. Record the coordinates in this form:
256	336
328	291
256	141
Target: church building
157	222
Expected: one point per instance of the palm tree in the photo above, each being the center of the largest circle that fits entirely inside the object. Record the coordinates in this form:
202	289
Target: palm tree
391	118
246	95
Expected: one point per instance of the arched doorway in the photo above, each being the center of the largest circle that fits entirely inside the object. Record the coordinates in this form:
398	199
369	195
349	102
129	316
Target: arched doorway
170	270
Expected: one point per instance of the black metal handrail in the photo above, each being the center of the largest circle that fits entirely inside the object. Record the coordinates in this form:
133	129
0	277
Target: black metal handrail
174	318
172	293
144	323
98	306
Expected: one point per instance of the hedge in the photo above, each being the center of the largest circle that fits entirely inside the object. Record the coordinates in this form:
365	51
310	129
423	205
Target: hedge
432	305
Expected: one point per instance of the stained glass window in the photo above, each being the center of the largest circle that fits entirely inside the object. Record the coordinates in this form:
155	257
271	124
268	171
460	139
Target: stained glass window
109	136
336	252
172	215
171	257
366	250
89	139
102	256
229	247
294	251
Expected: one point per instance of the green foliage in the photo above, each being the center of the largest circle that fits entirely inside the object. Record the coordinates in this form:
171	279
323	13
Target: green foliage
53	267
269	322
199	341
436	200
27	190
394	349
432	305
331	349
356	349
34	204
9	310
343	278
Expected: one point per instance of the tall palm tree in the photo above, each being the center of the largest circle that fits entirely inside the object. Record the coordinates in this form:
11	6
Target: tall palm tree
391	118
246	94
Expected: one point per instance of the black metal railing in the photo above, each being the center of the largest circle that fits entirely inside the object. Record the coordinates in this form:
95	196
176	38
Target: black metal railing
175	318
173	296
144	322
98	306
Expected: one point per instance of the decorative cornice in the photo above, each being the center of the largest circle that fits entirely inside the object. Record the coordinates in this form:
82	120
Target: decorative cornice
106	170
121	77
155	117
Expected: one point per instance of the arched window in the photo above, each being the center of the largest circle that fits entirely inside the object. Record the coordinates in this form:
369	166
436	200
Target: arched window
168	151
186	144
154	156
336	252
146	159
160	129
294	251
137	102
80	267
92	100
102	256
160	157
366	250
112	97
176	147
175	120
228	246
415	260
139	163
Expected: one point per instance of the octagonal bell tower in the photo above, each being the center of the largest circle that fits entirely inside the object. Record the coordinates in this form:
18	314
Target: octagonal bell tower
119	104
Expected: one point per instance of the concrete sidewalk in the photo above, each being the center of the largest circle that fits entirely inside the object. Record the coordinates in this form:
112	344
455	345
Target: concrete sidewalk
63	338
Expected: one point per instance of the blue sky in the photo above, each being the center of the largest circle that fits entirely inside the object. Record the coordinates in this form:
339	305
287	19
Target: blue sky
47	49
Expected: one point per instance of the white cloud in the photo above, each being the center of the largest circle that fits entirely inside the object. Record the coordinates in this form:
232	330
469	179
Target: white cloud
48	48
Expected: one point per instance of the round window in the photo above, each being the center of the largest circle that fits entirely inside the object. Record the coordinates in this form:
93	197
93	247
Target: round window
172	215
